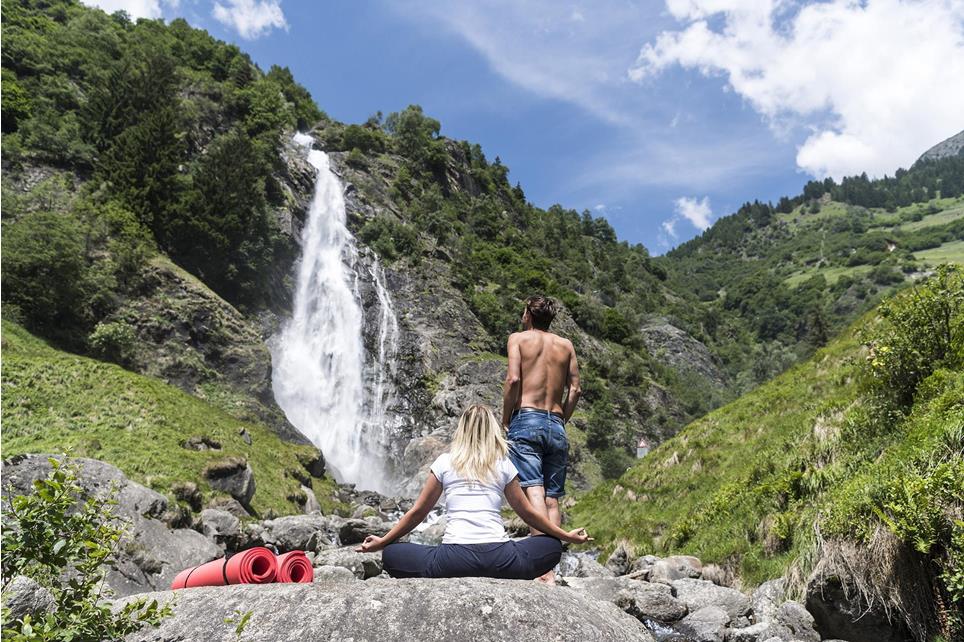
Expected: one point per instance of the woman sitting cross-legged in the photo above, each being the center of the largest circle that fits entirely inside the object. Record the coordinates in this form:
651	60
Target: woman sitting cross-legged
474	475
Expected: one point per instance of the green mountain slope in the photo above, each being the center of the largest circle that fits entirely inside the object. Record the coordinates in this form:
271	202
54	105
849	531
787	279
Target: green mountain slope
57	402
822	454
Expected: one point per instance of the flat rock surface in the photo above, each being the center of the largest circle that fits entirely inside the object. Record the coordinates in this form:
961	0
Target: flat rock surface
478	609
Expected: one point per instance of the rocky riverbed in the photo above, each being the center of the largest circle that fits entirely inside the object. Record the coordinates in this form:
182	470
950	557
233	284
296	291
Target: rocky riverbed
629	597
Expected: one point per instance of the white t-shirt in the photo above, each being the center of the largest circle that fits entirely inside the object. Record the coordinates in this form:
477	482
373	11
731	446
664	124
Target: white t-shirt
473	508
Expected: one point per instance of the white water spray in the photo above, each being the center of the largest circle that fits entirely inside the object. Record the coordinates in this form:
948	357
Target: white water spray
321	377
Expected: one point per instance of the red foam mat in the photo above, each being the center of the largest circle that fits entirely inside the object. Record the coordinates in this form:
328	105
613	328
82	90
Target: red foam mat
295	567
253	566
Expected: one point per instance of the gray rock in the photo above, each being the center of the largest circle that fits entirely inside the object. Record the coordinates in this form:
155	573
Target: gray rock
707	624
605	589
682	352
232	475
296	532
648	602
187	492
229	505
642	566
330	573
581	565
23	596
620	560
150	554
314	464
436	610
354	531
952	146
675	567
767	598
757	632
363	565
221	527
795	617
697	594
431	535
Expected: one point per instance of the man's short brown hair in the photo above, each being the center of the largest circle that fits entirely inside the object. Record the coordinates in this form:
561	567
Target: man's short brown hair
542	310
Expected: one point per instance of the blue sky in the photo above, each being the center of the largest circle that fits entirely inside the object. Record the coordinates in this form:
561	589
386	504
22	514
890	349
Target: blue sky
659	116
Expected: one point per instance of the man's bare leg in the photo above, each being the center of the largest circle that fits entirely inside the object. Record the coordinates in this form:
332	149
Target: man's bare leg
555	513
537	497
555	516
541	503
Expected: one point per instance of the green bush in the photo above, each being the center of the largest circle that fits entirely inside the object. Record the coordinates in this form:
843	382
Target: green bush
389	238
113	341
45	271
55	533
915	334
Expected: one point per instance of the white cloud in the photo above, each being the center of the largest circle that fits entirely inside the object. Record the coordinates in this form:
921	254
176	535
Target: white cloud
600	207
669	226
876	82
576	53
251	18
134	8
695	211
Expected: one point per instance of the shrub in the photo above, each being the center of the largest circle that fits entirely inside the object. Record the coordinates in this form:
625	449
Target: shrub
57	531
916	334
45	270
113	341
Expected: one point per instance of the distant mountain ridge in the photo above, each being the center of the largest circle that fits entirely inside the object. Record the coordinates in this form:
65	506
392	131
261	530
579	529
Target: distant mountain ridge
952	146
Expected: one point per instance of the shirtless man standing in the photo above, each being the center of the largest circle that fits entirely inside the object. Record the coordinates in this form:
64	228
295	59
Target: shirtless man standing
542	365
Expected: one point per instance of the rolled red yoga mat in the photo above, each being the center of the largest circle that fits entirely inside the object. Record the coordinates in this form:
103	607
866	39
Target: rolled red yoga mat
295	567
253	566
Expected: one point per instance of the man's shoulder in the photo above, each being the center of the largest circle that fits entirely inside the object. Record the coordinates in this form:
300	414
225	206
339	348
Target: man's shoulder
563	341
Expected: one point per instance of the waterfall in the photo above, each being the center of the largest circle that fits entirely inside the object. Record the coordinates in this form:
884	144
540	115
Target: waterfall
331	389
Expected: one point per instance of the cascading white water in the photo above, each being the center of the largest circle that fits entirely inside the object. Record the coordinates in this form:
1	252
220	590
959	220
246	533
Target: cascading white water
322	379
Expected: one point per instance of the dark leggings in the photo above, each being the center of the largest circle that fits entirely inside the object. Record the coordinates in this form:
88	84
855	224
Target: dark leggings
524	559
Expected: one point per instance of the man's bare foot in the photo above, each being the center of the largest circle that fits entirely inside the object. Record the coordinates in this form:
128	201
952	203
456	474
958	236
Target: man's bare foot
549	578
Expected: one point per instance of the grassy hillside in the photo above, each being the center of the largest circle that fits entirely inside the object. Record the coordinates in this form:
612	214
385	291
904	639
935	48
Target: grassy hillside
54	401
853	442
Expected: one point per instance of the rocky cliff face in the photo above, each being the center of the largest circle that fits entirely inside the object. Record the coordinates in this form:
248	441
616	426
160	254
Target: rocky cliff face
949	147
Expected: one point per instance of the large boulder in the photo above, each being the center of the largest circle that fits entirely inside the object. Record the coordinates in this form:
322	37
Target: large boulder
221	527
150	553
767	598
675	567
234	476
697	594
478	609
296	533
354	531
707	624
650	602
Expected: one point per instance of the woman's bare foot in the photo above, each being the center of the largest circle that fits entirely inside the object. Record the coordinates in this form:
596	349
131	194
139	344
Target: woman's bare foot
549	578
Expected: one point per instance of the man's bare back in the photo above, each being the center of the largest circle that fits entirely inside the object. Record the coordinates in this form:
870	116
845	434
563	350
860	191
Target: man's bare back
544	361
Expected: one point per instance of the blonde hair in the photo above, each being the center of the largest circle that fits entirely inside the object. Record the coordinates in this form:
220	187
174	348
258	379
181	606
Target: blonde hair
478	444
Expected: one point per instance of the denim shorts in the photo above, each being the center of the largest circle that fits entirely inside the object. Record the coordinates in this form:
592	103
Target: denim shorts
539	449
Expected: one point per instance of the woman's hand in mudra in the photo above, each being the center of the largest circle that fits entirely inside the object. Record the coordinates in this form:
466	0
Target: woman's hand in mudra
372	544
578	536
